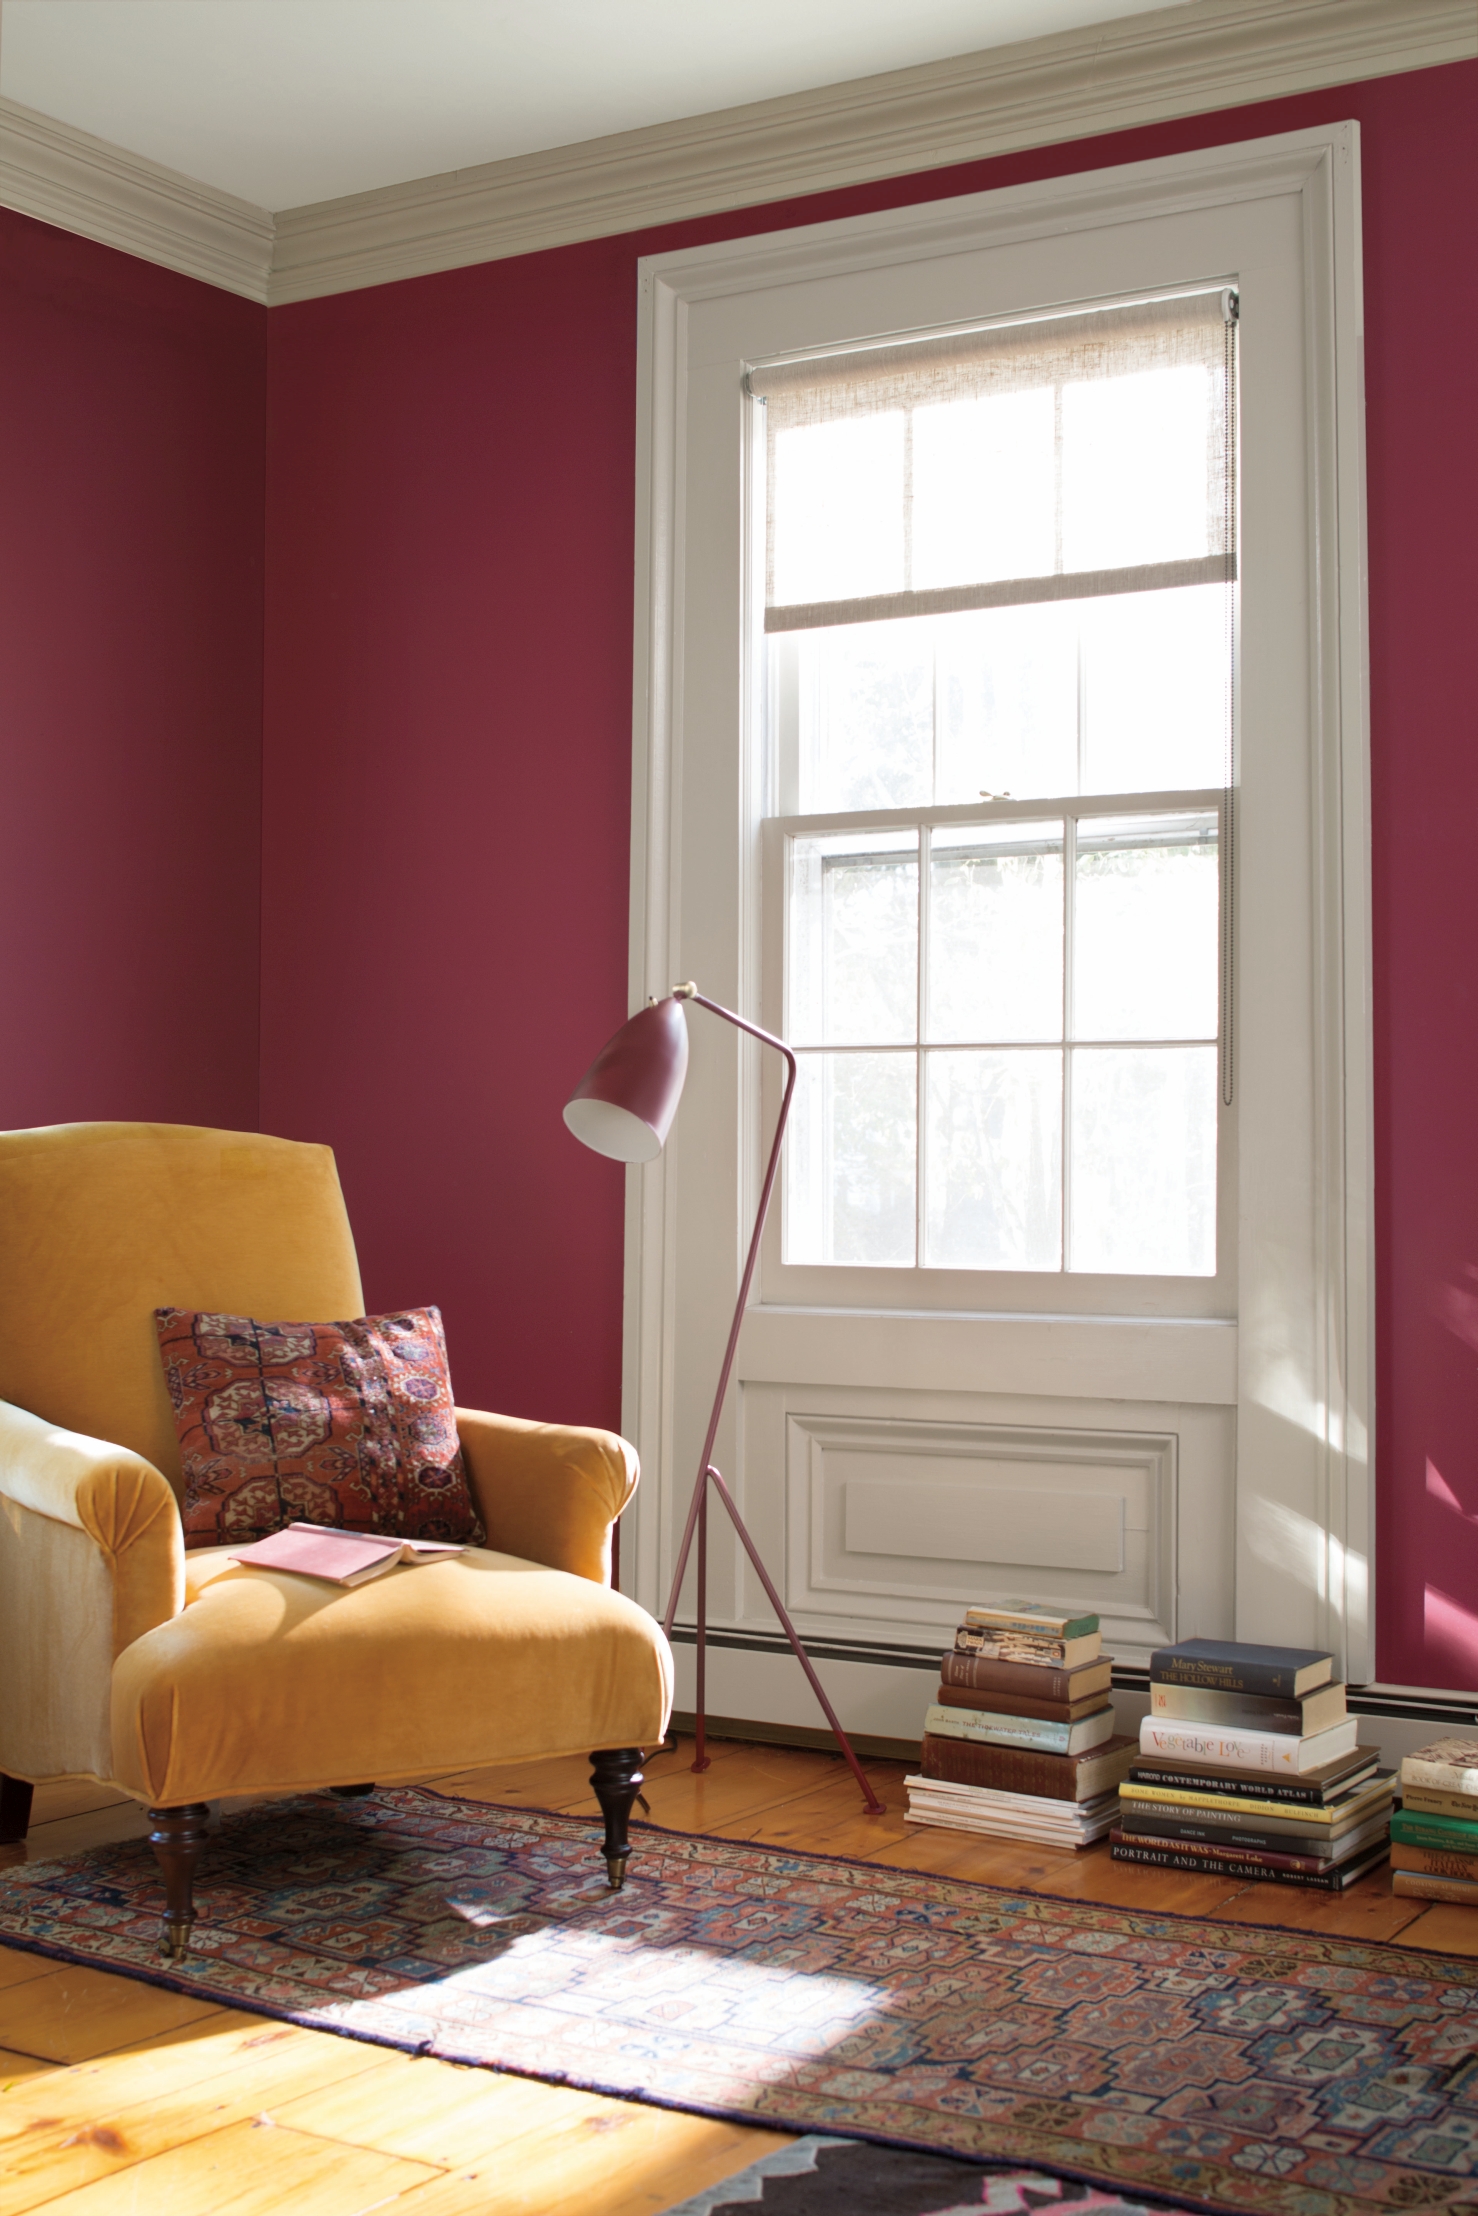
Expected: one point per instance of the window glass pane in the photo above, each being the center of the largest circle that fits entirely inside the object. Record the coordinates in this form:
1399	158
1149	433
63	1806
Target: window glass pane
1144	1160
1134	469
995	933
865	714
984	489
1156	674
853	938
993	1155
839	508
1008	703
849	1160
1145	928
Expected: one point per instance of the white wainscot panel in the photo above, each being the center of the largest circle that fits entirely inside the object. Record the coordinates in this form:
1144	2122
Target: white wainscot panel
910	1511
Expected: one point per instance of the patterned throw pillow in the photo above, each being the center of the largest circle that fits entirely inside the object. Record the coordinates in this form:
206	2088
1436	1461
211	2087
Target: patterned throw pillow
348	1424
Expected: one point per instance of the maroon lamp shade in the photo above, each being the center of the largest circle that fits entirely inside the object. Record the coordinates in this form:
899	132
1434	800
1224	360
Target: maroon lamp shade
624	1104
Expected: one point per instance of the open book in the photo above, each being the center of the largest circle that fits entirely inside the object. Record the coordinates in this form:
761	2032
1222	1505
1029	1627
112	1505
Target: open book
341	1557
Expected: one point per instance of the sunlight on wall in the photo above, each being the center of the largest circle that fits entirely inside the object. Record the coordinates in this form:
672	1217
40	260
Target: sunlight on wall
1452	1639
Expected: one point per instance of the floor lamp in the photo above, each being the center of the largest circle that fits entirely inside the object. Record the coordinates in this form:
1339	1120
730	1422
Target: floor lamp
623	1107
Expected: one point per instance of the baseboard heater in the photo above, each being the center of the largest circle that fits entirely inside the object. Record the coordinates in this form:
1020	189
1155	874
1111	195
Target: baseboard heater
1403	1704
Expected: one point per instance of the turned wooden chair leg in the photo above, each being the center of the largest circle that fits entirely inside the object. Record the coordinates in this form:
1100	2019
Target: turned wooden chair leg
178	1839
15	1810
615	1774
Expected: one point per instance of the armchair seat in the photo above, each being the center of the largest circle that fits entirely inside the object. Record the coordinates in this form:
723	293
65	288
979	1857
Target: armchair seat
266	1682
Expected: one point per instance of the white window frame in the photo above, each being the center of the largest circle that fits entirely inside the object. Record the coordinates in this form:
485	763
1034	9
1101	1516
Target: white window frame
1305	1371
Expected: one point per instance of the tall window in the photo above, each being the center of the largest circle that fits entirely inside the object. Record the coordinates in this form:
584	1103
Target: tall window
1001	577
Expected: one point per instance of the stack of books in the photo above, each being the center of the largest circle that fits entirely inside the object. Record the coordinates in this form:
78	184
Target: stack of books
1249	1767
1434	1836
1020	1742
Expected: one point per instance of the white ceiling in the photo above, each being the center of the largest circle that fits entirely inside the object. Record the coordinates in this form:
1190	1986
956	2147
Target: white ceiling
289	101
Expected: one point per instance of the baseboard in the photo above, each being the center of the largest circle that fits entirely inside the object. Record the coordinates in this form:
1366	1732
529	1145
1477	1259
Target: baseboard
814	1740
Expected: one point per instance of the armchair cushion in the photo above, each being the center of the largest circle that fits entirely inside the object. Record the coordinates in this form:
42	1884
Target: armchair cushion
349	1424
267	1682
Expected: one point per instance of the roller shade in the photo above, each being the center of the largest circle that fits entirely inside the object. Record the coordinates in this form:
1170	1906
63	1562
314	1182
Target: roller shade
1059	459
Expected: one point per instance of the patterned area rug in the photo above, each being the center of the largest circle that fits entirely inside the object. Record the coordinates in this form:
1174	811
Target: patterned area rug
1245	2069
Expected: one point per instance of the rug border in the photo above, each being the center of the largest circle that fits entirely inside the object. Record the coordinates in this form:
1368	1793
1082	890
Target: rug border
981	1884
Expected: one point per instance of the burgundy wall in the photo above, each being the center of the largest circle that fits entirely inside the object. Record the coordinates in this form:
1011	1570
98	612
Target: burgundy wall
447	779
132	407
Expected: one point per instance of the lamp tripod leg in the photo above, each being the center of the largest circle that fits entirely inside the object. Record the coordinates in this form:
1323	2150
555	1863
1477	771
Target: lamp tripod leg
700	1747
871	1803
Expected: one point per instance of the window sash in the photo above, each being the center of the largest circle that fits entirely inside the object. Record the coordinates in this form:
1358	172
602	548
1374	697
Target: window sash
1169	806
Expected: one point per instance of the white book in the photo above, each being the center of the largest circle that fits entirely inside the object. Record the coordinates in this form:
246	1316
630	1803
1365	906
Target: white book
1446	1766
984	1727
998	1824
1275	1751
1028	1815
992	1796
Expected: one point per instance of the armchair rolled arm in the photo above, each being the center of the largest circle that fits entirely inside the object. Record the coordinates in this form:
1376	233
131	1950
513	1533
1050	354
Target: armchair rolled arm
125	1506
548	1492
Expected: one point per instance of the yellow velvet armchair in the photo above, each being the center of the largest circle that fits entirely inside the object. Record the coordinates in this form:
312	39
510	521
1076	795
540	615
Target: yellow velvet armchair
183	1678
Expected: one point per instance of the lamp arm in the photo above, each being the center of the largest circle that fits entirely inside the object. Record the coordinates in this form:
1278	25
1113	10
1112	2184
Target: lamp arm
766	1038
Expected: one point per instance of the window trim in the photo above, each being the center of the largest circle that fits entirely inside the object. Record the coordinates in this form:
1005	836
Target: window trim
1325	1533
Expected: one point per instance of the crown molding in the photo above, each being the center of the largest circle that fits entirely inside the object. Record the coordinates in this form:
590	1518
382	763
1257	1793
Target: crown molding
1140	69
81	183
1077	84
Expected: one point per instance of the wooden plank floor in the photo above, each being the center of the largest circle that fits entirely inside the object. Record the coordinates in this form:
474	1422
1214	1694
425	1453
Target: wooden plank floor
117	2099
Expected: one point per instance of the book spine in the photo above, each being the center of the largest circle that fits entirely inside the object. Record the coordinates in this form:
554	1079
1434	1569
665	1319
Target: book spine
1425	1800
1203	1704
1210	1851
1241	1807
1434	1861
996	1700
1281	1838
1439	1777
1287	1792
976	1672
1029	1622
1023	1649
1008	1769
1240	1750
1435	1831
1215	1865
980	1727
1270	1680
1418	1885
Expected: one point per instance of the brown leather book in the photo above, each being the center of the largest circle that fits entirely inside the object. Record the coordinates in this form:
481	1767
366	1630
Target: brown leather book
1017	1704
1422	1885
1434	1861
1072	1777
1036	1681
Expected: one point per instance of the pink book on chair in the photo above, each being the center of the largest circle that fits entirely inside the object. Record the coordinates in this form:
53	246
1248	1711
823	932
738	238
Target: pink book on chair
340	1557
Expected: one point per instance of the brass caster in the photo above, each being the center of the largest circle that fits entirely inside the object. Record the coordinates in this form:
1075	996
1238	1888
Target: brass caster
615	1871
174	1940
